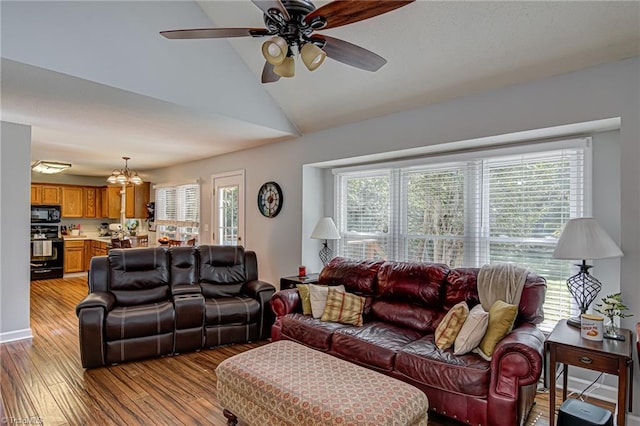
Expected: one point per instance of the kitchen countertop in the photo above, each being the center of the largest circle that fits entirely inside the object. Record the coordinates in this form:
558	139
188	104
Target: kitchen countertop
83	237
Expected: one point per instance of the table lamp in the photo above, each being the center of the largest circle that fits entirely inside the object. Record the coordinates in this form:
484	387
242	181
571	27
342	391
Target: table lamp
583	238
325	230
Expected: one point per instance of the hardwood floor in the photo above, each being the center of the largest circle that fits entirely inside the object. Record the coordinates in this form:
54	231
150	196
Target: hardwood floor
42	381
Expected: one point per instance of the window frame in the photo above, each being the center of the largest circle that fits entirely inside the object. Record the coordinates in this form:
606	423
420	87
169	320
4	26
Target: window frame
178	228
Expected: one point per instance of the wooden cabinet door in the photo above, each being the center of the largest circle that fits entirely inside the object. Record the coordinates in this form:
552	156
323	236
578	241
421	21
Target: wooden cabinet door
36	194
50	194
111	202
72	201
141	199
130	211
87	254
89	205
73	256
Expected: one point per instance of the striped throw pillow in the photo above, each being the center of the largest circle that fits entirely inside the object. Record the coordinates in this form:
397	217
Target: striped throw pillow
450	325
342	307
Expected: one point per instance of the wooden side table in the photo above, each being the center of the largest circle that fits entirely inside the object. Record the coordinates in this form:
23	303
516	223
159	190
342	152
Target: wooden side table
290	282
565	345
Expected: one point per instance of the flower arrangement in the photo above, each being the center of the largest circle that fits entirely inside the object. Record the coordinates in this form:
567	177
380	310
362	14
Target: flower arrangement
612	307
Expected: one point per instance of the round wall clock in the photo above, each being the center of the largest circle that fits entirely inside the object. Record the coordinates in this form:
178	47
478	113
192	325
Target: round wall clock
270	199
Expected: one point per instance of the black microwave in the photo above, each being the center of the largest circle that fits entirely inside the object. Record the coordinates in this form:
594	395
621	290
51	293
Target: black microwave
45	214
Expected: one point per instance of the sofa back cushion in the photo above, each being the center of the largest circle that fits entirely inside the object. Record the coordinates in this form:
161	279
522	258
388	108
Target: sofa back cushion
418	283
357	276
183	263
222	270
407	314
138	276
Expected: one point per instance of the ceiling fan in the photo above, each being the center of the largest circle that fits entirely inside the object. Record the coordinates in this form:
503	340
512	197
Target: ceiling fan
291	23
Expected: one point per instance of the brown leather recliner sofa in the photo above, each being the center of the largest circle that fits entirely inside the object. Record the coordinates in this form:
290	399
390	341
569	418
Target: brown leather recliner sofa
158	301
404	304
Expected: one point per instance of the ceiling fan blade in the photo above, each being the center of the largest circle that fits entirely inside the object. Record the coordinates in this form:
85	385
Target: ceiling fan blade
215	33
265	5
343	12
350	54
268	76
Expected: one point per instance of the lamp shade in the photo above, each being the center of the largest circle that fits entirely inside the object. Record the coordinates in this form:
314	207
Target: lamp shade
325	230
286	68
275	50
584	238
312	56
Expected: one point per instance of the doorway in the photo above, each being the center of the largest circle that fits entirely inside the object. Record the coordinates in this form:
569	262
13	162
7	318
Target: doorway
228	208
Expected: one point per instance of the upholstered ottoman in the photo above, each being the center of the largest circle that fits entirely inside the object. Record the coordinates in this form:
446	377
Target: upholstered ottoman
285	383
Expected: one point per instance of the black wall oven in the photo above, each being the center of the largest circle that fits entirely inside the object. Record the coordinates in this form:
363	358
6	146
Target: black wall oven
47	251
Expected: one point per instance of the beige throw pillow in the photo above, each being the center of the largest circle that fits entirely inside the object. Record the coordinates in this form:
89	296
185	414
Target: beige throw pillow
303	291
472	331
450	325
318	296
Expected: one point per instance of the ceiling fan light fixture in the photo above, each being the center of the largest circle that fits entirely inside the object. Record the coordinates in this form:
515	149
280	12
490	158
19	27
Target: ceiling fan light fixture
312	56
286	68
275	50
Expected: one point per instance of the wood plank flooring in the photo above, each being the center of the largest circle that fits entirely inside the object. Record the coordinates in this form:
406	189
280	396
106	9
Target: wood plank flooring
42	380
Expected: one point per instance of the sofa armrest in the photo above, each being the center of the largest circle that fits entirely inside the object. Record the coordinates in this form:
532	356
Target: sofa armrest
254	287
96	300
285	302
517	361
183	289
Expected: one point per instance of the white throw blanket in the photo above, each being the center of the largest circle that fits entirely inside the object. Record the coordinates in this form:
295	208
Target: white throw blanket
501	281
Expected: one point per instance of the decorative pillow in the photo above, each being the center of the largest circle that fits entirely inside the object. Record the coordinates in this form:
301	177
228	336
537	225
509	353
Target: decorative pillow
303	291
450	325
343	307
501	318
318	296
472	331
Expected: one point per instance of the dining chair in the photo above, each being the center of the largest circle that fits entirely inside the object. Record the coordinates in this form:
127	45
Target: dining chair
115	243
175	243
190	242
143	241
125	243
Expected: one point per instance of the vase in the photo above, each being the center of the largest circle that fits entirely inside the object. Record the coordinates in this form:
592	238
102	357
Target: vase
611	331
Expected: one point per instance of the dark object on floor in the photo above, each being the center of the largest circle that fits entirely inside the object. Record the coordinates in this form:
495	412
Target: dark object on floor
574	412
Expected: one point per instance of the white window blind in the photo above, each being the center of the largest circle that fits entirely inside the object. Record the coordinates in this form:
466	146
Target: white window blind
468	210
178	210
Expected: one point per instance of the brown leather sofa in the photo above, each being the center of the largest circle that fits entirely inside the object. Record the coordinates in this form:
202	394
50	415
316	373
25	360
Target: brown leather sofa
404	304
149	302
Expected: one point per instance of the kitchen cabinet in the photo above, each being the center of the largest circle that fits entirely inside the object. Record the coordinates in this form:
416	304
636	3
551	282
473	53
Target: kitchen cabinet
98	248
89	201
74	256
72	201
110	198
45	194
88	254
137	197
141	199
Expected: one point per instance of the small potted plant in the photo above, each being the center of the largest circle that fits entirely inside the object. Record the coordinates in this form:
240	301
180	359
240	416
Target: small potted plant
612	307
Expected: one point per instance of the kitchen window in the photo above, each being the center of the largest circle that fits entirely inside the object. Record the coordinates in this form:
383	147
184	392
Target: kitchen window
470	209
178	211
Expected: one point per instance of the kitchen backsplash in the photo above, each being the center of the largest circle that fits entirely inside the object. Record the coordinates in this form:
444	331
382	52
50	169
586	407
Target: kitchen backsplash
90	226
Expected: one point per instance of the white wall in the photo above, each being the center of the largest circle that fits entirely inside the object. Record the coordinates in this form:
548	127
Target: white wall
605	91
15	193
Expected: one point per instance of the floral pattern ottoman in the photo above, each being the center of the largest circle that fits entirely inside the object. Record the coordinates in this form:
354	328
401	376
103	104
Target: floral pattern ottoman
285	383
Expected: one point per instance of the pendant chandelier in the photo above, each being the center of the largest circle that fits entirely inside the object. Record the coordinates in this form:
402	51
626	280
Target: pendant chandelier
125	176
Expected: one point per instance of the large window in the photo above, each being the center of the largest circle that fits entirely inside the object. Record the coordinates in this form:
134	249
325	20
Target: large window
467	210
177	213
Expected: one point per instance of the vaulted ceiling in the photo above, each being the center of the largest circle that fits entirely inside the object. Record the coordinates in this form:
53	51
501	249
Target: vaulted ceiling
96	80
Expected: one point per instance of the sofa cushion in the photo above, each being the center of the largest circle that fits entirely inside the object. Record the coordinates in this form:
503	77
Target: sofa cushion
374	344
138	276
472	331
501	318
308	330
450	325
127	322
305	298
412	282
461	285
424	362
231	310
407	314
183	266
357	276
221	265
318	295
345	308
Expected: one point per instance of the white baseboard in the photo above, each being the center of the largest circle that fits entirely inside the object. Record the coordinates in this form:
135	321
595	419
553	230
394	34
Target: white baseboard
603	393
12	336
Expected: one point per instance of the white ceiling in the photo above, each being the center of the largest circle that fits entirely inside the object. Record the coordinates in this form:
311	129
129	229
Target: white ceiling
96	81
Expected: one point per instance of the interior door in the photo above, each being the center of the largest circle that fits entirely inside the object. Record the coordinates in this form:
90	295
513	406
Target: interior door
228	209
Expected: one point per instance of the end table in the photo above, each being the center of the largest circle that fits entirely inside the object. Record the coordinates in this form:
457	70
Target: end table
565	345
290	282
